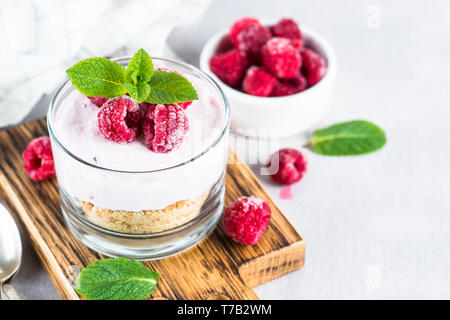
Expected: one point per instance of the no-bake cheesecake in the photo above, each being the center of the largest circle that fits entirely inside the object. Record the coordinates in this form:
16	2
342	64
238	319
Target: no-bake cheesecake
139	167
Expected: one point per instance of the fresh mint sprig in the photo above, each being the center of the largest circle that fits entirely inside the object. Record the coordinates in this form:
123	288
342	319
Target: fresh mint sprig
98	77
101	77
169	87
140	68
116	279
138	92
138	74
348	138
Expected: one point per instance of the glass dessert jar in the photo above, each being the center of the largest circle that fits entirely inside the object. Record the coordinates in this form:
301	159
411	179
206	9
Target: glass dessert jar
125	200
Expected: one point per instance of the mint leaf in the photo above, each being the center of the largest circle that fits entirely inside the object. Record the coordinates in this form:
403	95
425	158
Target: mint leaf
169	87
101	77
138	92
116	279
348	138
95	77
140	68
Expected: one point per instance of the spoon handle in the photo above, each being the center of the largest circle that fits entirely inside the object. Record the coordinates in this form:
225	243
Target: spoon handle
10	292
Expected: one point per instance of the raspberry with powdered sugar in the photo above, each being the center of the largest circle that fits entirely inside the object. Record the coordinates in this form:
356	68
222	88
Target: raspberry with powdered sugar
281	58
246	219
119	119
259	82
164	127
286	28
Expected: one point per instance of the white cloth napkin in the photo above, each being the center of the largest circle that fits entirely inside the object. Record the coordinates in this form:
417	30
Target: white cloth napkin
40	39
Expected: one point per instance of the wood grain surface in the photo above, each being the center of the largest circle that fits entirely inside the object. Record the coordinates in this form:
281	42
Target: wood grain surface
216	267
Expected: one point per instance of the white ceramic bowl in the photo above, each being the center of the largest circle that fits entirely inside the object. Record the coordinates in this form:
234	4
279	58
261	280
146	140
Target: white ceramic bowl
255	116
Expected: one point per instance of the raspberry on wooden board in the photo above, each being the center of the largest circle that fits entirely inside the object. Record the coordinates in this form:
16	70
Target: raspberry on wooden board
246	219
38	159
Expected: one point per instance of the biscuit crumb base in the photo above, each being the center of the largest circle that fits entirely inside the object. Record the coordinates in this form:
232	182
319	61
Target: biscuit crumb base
145	221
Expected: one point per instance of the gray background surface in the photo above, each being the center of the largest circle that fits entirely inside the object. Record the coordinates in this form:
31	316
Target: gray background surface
376	226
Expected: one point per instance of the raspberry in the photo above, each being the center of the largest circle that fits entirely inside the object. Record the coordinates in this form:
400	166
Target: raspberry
225	45
284	88
165	127
300	83
98	101
239	26
144	106
251	41
291	86
246	219
229	67
297	44
286	28
38	159
184	105
314	66
259	82
291	166
119	119
281	58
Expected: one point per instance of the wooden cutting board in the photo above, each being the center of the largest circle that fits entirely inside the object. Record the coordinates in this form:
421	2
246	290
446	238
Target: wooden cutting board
217	267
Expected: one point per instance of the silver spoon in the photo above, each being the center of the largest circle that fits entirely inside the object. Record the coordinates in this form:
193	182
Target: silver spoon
10	248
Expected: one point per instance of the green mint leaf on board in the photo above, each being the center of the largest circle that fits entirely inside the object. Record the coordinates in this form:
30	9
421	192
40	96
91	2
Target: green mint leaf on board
169	87
139	92
140	68
116	279
348	138
95	77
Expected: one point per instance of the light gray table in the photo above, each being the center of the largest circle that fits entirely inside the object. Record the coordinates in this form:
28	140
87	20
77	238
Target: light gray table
376	226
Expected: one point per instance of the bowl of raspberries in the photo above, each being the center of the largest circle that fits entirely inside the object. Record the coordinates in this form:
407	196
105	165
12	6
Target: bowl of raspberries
277	76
